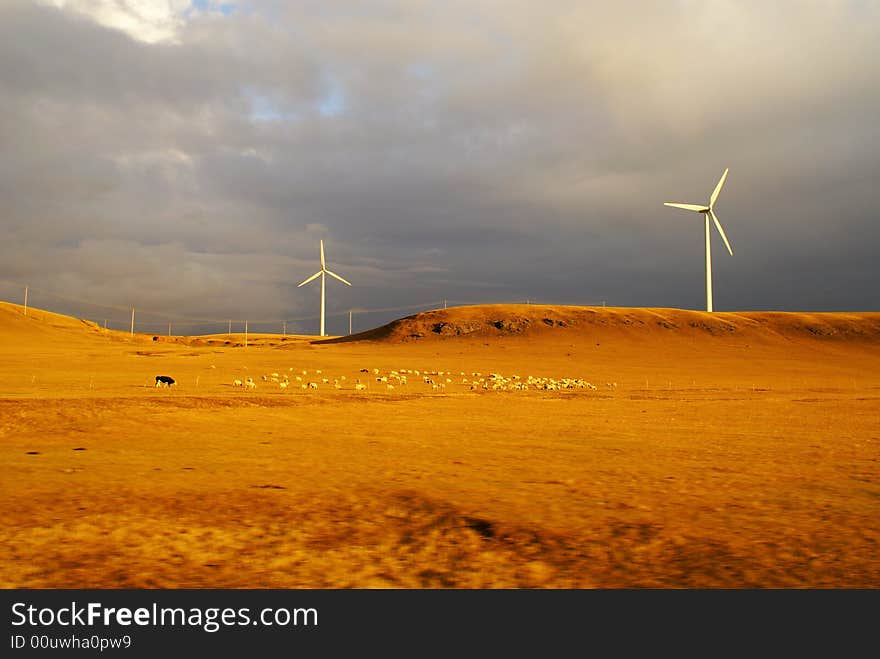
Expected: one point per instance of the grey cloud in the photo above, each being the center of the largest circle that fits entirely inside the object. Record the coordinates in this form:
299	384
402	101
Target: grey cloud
459	150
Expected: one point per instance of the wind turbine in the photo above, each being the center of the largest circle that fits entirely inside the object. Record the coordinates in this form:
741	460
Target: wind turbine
321	273
708	211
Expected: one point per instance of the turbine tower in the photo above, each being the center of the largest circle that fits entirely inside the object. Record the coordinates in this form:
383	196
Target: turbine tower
708	211
321	273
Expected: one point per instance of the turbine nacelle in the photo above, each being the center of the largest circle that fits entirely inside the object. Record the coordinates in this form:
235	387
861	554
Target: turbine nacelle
688	207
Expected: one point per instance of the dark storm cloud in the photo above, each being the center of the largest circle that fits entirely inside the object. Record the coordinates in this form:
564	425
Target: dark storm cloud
462	150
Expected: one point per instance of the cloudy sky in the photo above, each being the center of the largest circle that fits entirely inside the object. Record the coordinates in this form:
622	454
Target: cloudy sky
186	157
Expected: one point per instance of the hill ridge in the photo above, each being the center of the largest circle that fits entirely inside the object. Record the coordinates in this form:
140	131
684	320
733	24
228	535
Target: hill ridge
526	321
531	320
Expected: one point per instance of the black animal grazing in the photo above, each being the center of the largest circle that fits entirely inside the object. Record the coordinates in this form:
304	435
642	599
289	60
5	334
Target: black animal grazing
164	380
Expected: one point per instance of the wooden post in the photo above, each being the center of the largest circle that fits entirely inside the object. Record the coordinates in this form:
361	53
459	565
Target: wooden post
169	329
283	328
229	329
132	321
245	334
349	322
25	300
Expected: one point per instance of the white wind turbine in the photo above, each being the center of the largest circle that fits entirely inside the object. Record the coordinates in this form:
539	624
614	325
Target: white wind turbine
321	273
709	211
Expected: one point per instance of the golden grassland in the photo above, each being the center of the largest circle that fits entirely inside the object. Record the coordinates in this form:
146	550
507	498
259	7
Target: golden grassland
730	450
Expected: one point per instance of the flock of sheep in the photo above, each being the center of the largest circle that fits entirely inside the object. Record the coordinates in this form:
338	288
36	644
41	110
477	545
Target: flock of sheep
438	381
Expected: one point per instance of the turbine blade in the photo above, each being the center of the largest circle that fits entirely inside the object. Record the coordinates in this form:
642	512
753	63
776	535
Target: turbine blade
322	255
718	187
333	274
688	207
314	276
721	231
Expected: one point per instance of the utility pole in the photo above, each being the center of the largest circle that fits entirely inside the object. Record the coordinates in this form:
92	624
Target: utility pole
283	328
169	329
349	322
25	300
245	334
229	329
132	321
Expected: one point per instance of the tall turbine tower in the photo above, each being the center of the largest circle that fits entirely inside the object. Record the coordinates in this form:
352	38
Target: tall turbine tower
321	273
707	211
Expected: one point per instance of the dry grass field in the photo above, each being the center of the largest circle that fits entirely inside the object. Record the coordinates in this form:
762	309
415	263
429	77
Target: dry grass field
731	450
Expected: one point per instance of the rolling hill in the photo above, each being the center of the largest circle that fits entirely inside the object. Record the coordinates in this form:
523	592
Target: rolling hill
535	322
